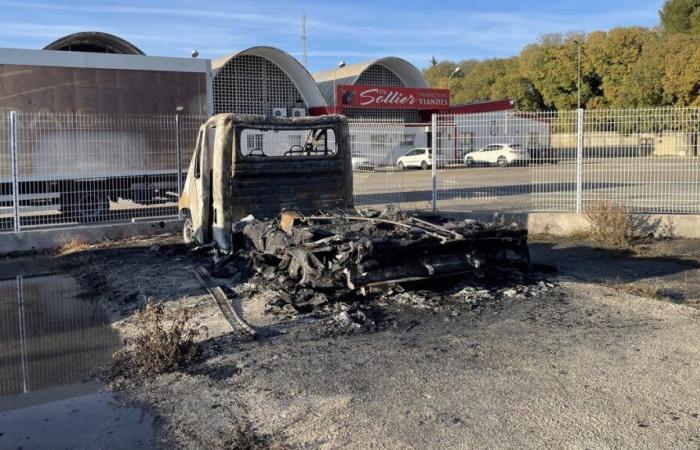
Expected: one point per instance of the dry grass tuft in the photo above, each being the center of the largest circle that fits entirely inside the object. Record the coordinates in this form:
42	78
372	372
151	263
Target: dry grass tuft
610	223
166	344
640	289
73	245
245	437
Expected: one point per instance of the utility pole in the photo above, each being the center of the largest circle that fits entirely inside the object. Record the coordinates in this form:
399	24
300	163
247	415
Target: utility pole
304	50
579	72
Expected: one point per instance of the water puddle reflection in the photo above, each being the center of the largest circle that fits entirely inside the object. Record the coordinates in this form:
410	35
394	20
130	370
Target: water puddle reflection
52	343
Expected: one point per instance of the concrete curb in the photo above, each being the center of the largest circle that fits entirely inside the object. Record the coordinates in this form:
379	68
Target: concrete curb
566	224
42	240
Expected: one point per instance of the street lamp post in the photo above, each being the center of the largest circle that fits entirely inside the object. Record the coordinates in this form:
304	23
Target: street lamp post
454	72
341	64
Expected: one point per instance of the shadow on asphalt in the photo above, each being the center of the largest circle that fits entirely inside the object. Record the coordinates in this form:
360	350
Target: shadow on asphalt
597	265
478	192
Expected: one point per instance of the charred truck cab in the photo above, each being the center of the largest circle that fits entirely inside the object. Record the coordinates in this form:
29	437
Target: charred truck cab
254	165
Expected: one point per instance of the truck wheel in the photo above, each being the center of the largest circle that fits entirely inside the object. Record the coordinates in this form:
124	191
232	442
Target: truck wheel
188	231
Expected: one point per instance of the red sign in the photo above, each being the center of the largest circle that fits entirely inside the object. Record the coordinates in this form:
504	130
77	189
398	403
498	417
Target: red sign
390	97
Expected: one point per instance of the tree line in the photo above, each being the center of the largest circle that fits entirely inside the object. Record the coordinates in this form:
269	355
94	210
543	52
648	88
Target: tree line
621	68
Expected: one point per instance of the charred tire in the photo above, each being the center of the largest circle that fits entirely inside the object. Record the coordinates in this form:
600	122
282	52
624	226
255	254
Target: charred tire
424	165
188	231
502	161
401	166
86	207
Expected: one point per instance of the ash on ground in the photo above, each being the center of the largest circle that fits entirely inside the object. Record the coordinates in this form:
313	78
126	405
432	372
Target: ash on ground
306	273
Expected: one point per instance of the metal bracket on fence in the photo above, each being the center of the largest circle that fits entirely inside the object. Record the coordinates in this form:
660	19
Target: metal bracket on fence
179	163
435	161
579	161
15	172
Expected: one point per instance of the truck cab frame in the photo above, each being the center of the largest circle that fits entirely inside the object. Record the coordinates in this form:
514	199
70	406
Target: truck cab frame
253	165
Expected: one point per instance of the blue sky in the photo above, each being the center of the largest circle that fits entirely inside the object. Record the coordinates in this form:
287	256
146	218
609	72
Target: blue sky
352	31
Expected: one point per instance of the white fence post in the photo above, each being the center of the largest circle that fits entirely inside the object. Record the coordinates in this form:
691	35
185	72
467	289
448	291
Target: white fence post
15	172
433	166
179	163
579	161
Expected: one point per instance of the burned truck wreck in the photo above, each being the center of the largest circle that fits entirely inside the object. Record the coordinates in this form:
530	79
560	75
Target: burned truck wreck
279	191
370	250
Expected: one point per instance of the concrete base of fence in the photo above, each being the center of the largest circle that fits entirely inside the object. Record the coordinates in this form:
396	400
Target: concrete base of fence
42	240
567	224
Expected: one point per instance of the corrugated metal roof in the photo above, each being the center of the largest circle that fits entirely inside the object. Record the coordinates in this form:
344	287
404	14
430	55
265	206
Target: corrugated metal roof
328	79
296	72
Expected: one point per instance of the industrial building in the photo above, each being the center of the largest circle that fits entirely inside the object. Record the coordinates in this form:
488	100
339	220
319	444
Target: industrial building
101	73
94	72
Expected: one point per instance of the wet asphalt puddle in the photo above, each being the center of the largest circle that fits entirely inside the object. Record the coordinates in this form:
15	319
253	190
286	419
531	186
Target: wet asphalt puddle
52	344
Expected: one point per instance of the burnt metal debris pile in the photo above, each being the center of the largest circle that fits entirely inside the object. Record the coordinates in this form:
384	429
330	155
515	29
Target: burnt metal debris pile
307	259
349	251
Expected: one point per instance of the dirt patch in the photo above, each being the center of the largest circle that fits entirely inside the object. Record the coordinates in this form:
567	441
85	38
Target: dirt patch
481	362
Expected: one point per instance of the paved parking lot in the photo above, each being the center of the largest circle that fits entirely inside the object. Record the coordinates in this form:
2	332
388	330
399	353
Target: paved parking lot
648	185
645	184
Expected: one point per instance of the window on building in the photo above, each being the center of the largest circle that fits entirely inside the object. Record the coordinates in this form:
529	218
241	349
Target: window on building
466	142
533	138
408	140
377	142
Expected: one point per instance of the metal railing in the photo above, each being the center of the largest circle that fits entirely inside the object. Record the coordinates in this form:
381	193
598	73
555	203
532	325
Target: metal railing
376	146
69	169
646	160
60	170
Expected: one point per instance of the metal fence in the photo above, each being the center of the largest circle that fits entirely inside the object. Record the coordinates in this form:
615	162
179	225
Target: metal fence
646	160
376	146
68	169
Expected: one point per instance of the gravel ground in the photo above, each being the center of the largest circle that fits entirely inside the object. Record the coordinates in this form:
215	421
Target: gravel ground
573	362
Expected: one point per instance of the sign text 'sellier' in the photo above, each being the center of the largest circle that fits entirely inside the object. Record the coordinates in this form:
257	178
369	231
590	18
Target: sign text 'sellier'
391	97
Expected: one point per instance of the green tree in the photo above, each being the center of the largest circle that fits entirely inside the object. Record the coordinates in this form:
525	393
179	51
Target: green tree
516	86
552	67
681	16
681	80
613	56
642	87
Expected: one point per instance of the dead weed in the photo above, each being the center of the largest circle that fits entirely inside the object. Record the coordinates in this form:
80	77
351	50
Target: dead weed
245	437
73	245
610	223
167	342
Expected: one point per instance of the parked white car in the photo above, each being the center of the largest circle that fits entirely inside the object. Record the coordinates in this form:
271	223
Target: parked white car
361	163
417	157
498	154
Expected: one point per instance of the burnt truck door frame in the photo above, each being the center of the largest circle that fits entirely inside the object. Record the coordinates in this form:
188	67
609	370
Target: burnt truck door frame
196	199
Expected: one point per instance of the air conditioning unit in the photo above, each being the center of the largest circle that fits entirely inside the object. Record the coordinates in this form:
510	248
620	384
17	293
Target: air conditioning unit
298	112
279	112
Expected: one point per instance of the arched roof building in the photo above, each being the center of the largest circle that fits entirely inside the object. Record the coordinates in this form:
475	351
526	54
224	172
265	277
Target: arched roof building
264	80
94	42
389	71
